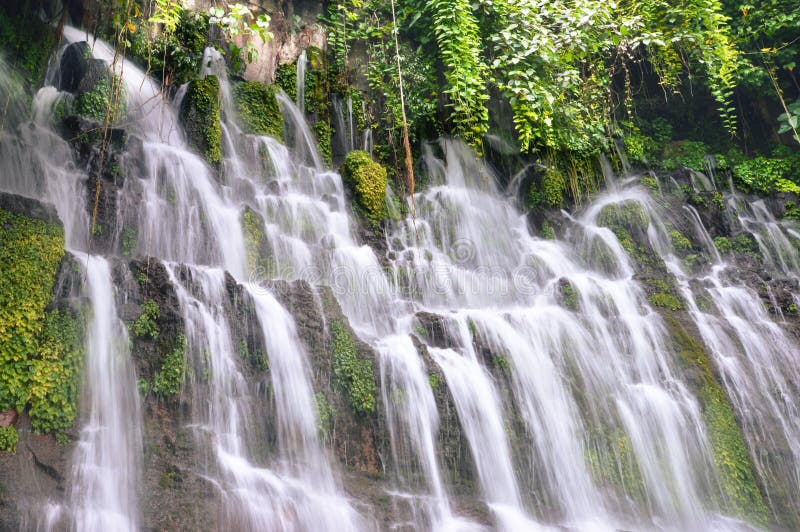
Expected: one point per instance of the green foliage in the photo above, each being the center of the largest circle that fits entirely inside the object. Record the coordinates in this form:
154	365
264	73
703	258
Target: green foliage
745	244
792	212
680	243
550	191
286	79
30	252
765	175
687	154
547	231
665	300
168	380
354	373
55	380
28	41
326	414
258	109
458	35
105	102
8	439
324	133
167	13
174	56
367	179
723	245
238	21
145	325
200	113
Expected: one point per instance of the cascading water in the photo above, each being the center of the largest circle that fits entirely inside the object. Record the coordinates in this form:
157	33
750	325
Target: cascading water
756	357
106	472
300	83
302	494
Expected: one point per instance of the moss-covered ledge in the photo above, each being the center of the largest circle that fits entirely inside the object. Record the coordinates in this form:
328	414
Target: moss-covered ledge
367	181
200	115
739	481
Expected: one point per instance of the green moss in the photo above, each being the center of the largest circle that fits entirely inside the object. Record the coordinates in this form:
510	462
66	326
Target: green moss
324	132
665	300
628	215
326	413
367	179
649	182
8	439
145	325
353	373
736	470
723	245
745	244
435	380
200	113
680	243
612	461
258	109
550	191
286	79
568	295
253	233
104	103
547	231
30	252
502	364
55	379
168	380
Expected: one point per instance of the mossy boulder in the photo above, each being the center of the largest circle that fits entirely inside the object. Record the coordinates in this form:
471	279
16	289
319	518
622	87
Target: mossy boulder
367	180
200	114
258	109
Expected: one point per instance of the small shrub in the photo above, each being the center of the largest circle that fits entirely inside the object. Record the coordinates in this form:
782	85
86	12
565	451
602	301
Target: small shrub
367	179
8	439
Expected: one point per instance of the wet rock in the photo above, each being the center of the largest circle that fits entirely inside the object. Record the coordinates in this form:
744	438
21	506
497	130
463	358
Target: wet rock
78	71
8	417
357	439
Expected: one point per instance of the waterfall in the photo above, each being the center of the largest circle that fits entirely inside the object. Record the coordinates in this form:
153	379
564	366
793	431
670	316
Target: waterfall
107	456
755	355
302	62
572	401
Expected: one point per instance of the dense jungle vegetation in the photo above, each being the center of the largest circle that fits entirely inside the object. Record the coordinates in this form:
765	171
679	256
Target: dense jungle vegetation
558	82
